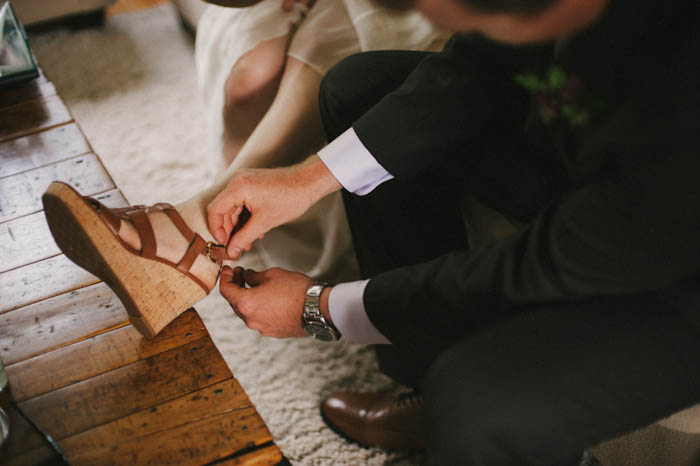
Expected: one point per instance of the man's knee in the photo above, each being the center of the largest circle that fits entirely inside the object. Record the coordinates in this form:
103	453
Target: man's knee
358	82
336	97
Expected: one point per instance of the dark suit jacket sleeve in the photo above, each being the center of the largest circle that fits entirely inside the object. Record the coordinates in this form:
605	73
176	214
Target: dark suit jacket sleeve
467	86
611	237
633	228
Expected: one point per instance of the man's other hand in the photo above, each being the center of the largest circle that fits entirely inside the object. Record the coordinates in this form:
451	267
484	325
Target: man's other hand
274	302
273	196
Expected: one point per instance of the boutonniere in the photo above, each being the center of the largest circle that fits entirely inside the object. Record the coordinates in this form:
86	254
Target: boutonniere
560	96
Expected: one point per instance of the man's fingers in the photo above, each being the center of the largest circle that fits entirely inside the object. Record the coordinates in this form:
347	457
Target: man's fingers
223	217
226	274
228	226
253	278
217	227
230	284
234	216
230	219
243	238
241	219
238	277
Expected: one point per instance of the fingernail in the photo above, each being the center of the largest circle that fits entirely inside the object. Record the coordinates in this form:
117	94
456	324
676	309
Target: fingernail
234	252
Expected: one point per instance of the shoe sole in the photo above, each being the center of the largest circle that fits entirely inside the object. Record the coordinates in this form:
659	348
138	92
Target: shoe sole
153	293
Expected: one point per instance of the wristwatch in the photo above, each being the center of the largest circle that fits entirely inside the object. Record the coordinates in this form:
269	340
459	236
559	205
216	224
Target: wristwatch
312	319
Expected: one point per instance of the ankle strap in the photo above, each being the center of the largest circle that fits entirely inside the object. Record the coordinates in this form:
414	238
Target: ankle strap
217	252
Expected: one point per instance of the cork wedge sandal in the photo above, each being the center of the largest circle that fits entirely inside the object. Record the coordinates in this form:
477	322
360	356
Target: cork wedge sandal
153	290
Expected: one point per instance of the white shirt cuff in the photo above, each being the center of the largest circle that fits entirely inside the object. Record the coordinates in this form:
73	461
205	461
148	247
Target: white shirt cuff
352	164
349	316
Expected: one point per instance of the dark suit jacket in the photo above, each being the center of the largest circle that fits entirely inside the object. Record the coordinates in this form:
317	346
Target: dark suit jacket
628	219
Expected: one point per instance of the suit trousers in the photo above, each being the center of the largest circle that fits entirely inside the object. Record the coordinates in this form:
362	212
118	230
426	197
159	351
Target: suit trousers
543	385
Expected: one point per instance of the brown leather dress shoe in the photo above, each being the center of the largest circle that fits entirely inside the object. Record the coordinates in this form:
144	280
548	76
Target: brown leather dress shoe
386	421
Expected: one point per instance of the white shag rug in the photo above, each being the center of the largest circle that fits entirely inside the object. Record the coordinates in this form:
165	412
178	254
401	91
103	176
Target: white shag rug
131	87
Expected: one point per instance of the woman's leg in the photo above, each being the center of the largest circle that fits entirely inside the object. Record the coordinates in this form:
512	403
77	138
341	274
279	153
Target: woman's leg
249	91
289	131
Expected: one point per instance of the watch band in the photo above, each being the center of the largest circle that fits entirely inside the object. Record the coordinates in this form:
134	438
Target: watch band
312	319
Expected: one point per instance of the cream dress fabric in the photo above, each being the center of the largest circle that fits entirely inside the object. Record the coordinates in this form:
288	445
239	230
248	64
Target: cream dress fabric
319	243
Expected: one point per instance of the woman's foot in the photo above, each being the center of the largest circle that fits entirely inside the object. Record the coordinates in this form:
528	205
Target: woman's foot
171	245
156	259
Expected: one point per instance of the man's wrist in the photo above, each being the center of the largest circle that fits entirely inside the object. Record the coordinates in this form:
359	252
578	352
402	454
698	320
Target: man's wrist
318	179
323	304
314	320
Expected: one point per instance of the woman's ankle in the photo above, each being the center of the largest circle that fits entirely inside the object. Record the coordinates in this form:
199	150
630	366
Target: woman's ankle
194	214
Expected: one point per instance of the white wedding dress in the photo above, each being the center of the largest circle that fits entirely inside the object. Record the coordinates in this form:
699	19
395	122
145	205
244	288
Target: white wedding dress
319	243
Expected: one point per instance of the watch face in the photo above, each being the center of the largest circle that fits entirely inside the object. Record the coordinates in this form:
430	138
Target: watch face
319	331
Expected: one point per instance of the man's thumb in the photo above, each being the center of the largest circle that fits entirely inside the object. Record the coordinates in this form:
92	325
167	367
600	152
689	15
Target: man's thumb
243	238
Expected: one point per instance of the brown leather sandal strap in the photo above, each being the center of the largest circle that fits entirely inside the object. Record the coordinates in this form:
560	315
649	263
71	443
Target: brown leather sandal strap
214	252
197	246
124	211
113	220
217	253
177	220
138	215
145	231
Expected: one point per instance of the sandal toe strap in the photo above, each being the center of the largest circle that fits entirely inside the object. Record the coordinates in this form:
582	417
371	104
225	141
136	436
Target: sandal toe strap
177	220
110	216
197	246
144	229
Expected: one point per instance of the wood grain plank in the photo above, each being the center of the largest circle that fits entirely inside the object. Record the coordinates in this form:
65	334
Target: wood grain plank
19	93
28	239
97	355
32	116
52	145
20	194
59	321
92	446
266	456
24	241
41	280
79	370
138	386
192	444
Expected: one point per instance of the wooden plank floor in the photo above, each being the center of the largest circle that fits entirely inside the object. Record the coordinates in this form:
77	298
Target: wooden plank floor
77	368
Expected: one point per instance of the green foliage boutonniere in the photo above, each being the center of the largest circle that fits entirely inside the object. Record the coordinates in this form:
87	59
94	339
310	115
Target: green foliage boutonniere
559	95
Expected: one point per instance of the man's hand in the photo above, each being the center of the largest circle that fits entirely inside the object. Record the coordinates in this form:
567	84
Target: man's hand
274	302
272	196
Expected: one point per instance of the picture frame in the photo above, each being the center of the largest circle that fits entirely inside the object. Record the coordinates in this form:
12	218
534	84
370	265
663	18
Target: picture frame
16	60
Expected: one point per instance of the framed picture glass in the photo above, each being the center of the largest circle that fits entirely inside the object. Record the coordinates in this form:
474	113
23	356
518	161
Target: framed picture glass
16	60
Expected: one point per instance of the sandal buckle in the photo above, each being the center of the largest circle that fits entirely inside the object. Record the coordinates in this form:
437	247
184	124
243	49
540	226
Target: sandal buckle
208	248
